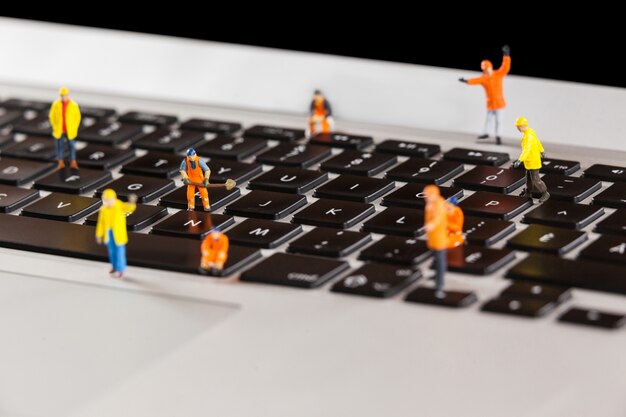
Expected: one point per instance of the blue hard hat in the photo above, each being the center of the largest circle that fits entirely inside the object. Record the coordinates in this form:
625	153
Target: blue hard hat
191	152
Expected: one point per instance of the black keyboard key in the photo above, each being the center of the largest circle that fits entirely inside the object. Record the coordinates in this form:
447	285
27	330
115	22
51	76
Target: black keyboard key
191	224
359	163
334	213
73	181
613	224
231	147
408	148
288	180
150	251
143	118
218	197
396	221
499	206
412	195
294	270
143	216
6	140
13	198
342	140
425	171
155	164
15	103
8	116
323	241
478	260
274	133
397	250
614	196
547	239
96	112
455	299
521	289
103	157
604	249
355	188
40	125
165	139
498	180
19	172
550	269
110	133
223	169
562	214
524	307
557	166
33	147
574	189
606	172
476	157
484	231
63	207
593	317
294	155
377	280
266	234
212	126
146	188
266	205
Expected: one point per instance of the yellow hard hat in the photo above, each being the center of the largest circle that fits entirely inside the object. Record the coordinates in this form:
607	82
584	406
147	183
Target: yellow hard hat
109	193
64	91
521	121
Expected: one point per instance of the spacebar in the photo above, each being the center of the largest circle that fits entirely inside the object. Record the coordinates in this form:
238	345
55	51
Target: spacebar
571	273
78	241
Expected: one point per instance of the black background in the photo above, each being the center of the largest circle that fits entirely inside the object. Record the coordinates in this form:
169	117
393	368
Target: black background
566	47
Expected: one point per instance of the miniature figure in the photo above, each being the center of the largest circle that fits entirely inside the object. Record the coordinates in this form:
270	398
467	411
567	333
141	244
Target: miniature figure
532	156
65	118
455	223
491	80
214	251
320	119
111	228
436	226
195	173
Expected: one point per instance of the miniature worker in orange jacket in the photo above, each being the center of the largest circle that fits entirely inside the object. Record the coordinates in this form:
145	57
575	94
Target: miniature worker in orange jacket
455	224
214	251
491	80
443	222
320	119
195	173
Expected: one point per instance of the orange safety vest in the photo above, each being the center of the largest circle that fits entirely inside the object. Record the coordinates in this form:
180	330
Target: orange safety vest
493	85
436	216
215	250
195	174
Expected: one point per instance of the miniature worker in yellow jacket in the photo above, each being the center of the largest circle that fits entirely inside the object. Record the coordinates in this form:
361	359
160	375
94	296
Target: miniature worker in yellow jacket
111	228
65	118
531	156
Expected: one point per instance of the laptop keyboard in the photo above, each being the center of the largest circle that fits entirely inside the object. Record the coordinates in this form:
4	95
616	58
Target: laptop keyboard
319	199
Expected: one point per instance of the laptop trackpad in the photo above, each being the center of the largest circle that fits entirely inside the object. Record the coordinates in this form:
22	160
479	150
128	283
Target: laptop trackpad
64	344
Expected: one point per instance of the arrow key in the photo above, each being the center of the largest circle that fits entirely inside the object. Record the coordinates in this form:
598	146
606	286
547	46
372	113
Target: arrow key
377	280
63	207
